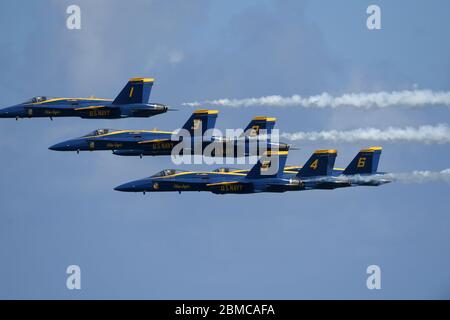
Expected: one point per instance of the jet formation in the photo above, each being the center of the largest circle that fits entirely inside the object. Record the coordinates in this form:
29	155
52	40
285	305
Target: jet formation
198	135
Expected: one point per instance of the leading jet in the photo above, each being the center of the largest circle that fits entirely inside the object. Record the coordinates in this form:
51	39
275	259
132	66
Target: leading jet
199	136
270	175
132	101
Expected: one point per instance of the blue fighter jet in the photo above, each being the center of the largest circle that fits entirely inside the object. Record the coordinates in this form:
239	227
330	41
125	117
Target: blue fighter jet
132	101
270	175
158	143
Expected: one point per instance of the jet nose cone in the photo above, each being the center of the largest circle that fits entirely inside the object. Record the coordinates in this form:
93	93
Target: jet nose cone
70	145
126	187
134	186
12	112
58	147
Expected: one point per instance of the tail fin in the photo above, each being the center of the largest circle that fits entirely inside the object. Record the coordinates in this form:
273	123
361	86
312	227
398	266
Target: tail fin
365	162
321	163
259	123
201	120
137	90
270	165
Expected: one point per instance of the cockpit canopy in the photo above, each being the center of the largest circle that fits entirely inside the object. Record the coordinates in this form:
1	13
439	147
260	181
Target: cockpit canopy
37	99
167	172
99	132
225	169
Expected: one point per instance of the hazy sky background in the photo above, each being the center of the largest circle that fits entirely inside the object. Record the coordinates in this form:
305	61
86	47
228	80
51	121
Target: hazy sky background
58	209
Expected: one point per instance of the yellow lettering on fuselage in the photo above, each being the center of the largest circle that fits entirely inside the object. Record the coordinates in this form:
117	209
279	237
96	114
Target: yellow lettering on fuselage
99	113
162	145
231	188
114	145
181	186
52	112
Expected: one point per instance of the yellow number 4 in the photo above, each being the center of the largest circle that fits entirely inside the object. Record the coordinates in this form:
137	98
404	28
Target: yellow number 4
314	164
361	162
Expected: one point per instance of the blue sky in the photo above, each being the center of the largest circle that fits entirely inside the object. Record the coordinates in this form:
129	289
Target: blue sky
58	209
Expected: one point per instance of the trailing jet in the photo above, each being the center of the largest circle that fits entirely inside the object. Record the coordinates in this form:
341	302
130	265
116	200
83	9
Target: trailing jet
270	175
198	135
132	101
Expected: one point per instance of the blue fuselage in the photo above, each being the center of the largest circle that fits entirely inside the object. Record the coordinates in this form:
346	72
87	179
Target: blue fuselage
90	108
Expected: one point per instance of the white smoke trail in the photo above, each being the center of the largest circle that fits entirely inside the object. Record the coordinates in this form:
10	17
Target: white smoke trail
422	176
417	176
439	134
383	99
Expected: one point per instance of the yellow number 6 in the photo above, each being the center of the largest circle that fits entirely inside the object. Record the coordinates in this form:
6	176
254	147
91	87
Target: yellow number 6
361	162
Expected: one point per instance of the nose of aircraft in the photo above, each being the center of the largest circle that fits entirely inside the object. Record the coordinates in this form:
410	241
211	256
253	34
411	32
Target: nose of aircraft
12	112
69	145
126	187
57	147
133	186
